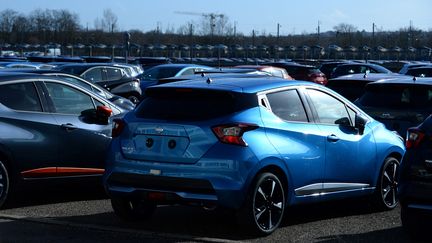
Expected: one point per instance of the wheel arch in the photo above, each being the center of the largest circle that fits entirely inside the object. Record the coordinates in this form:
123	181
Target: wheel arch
280	173
6	158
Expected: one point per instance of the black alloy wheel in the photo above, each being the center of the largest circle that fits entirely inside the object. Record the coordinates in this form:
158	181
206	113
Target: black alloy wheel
265	205
387	185
133	99
4	184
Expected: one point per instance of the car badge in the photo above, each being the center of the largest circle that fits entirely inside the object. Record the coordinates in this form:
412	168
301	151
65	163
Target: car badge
159	130
155	172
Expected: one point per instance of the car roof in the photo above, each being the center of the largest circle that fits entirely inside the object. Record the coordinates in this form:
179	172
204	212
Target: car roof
371	77
179	65
245	85
12	76
291	64
404	79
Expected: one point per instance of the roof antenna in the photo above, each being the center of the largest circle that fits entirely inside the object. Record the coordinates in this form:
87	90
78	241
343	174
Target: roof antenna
209	81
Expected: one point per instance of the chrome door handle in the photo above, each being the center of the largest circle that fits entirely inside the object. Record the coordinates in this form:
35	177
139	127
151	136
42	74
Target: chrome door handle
332	138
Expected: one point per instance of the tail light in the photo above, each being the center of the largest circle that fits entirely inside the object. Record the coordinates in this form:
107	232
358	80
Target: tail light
117	128
414	137
233	133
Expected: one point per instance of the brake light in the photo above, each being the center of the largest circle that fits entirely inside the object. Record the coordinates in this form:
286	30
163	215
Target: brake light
233	133
117	128
414	137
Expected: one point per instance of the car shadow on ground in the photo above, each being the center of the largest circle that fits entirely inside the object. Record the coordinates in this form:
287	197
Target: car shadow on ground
197	223
45	193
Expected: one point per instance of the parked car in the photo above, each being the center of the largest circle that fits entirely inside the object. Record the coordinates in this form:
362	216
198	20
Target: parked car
112	78
149	62
328	67
209	77
408	66
115	99
353	86
352	68
153	75
249	145
425	71
398	103
301	72
274	71
50	129
415	184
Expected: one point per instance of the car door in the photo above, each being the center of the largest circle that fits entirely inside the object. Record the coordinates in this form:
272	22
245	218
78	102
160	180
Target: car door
82	143
297	139
350	156
27	130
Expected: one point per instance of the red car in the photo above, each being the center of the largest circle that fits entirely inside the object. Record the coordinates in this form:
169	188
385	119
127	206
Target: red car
302	72
274	71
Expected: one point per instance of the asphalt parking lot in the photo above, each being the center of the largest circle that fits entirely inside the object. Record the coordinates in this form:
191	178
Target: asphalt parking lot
77	213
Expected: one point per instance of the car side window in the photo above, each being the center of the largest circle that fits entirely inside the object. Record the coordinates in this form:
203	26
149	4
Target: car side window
68	100
189	71
114	73
287	105
329	109
20	96
93	75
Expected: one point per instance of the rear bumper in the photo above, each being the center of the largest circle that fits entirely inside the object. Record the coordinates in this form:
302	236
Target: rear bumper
211	180
416	195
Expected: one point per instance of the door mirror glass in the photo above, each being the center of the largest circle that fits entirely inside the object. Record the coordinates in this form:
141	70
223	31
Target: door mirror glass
360	123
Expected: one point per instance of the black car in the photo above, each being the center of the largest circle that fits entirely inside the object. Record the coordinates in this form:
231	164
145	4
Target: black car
415	182
353	86
328	67
398	103
114	79
351	68
50	130
425	71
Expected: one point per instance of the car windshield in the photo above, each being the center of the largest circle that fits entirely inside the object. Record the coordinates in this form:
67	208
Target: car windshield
192	104
157	73
398	96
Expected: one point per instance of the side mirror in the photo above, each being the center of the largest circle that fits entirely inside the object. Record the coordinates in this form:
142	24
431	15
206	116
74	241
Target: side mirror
344	121
102	114
360	123
99	116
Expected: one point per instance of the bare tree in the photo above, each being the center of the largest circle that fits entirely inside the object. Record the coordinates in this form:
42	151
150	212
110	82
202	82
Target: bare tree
109	20
344	33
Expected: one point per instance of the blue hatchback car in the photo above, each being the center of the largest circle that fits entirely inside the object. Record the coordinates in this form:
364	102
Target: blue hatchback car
253	145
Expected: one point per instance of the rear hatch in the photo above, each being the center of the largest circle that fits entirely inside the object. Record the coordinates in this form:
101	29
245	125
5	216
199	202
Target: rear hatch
175	124
398	106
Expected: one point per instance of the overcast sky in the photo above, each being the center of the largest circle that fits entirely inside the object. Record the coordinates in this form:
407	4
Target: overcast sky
294	17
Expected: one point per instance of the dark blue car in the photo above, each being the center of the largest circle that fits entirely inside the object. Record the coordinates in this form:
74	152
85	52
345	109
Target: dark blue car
253	145
415	188
50	129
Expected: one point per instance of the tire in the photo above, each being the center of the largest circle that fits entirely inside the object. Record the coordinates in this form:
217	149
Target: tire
4	184
385	197
132	210
133	98
265	204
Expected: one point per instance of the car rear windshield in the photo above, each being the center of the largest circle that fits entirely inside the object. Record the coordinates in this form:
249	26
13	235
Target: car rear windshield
398	96
192	104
